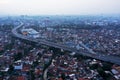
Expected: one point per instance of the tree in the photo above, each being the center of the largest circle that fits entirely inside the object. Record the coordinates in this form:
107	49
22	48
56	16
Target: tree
18	56
11	69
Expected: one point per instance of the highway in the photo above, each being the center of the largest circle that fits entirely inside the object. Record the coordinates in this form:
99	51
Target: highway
90	53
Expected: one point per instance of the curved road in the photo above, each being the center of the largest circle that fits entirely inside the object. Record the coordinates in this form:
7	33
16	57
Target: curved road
103	57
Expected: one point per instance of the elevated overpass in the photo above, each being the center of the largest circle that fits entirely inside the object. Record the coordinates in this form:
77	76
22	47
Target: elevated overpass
90	53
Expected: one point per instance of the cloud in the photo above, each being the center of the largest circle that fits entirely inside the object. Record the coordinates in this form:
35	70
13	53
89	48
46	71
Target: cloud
3	2
59	6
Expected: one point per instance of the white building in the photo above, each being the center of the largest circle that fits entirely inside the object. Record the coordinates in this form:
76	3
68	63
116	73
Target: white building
31	32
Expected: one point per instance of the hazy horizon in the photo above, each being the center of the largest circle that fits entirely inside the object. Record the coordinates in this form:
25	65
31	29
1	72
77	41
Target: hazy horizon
59	7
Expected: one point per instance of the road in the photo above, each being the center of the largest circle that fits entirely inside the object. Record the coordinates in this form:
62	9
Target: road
90	53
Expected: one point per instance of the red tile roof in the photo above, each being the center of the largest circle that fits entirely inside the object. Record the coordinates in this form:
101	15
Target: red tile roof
83	79
20	78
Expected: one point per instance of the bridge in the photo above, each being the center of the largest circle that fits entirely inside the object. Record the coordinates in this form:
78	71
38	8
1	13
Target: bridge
90	53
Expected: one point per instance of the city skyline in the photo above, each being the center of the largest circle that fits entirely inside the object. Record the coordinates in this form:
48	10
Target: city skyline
60	7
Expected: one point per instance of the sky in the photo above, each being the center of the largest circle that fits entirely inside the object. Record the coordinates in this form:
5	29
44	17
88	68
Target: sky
59	7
